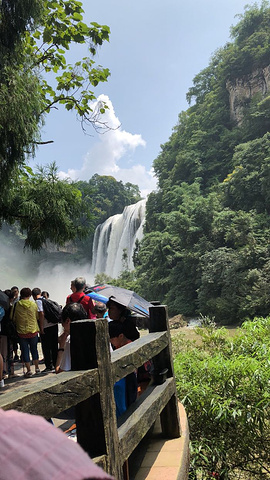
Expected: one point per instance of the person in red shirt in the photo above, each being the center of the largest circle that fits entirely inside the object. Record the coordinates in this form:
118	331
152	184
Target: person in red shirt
79	297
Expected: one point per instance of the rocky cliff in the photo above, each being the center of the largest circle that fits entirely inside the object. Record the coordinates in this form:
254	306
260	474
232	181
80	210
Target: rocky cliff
241	90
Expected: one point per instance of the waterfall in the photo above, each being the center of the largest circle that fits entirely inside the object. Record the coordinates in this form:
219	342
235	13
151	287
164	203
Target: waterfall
117	233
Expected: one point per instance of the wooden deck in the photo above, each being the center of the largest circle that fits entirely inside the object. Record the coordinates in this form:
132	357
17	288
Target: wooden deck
151	452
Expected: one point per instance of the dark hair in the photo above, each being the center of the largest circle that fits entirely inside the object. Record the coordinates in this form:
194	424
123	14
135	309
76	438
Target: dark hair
36	291
14	288
73	311
9	293
25	292
115	328
45	294
111	302
127	328
100	307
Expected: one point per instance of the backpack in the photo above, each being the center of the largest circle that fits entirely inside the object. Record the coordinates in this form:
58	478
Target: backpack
52	310
78	301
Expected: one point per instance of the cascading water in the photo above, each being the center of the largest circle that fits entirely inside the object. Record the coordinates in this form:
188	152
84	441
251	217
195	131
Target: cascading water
116	235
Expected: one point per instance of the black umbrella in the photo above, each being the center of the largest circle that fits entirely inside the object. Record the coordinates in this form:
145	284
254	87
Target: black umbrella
125	297
4	300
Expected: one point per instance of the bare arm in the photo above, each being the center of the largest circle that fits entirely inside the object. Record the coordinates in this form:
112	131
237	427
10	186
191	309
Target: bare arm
61	342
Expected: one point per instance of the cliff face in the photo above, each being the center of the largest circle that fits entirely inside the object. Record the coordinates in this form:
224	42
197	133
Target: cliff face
68	248
243	89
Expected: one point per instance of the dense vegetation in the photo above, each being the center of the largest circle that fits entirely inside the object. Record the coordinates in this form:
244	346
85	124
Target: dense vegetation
206	243
89	203
223	382
35	36
104	196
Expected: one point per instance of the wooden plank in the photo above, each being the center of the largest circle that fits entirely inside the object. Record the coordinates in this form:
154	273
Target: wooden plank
141	416
82	344
88	413
101	461
170	422
107	402
96	416
51	395
158	322
126	359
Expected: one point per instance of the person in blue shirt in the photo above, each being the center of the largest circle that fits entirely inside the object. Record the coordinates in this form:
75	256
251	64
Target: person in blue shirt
125	390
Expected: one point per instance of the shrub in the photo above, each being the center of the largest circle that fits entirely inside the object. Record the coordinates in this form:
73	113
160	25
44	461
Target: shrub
224	386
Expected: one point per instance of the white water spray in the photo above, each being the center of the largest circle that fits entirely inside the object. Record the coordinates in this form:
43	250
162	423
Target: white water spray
24	269
116	235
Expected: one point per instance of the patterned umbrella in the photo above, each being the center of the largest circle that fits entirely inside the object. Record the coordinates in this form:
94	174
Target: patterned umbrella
125	297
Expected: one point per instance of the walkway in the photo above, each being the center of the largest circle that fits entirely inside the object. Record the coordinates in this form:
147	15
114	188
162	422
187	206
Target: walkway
160	459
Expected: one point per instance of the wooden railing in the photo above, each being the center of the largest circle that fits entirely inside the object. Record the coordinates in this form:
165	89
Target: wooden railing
91	391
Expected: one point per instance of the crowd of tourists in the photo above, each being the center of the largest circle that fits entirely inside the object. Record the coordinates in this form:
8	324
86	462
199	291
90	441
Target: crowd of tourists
29	317
27	321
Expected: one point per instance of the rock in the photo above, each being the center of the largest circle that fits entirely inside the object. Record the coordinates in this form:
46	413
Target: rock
241	90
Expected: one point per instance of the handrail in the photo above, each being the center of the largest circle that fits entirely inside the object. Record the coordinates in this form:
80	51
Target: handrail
51	395
91	391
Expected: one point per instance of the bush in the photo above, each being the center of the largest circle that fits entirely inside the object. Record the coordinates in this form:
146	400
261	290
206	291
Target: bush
224	386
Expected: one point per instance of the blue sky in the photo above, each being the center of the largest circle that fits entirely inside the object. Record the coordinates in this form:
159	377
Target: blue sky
155	50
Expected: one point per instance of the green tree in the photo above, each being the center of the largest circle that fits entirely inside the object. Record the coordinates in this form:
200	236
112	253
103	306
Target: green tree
107	195
35	37
206	244
47	209
248	185
223	383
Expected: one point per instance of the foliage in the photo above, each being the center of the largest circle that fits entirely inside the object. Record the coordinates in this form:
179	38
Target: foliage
252	41
224	386
61	26
104	196
247	187
47	209
206	243
35	77
108	195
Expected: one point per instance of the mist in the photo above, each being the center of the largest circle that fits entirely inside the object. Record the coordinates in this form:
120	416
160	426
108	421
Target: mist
21	268
53	270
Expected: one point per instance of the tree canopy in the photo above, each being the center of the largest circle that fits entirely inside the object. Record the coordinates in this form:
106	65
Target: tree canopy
35	77
206	243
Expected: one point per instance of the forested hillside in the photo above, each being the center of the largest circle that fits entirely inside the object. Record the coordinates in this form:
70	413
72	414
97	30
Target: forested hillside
101	196
206	243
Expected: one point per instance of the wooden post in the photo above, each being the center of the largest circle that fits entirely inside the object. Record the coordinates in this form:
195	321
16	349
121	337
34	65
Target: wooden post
96	417
169	416
83	345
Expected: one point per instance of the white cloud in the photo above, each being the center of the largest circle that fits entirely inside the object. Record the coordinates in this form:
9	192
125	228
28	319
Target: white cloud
103	158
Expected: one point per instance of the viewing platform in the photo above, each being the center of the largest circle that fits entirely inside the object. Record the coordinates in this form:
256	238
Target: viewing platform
150	440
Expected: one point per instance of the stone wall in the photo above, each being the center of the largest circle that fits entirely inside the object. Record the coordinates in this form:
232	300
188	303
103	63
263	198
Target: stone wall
241	90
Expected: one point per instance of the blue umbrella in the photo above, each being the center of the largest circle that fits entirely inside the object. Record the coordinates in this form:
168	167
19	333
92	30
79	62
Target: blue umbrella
97	297
125	297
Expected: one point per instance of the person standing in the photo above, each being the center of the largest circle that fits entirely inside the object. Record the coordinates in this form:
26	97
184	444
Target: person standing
80	297
25	316
15	297
8	331
125	390
48	335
